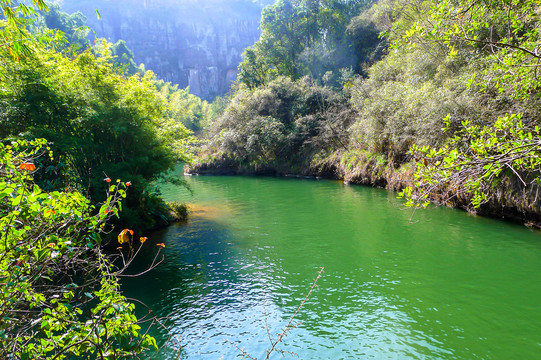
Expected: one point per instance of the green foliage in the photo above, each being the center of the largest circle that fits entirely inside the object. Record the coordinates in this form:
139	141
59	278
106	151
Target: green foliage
71	25
479	156
253	71
179	211
123	57
406	96
280	125
307	38
365	39
508	32
214	109
507	147
14	37
59	295
183	107
100	123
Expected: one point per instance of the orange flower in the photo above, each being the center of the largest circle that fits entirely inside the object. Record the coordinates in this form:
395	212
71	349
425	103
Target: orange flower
143	239
27	166
107	180
161	244
124	236
128	184
51	245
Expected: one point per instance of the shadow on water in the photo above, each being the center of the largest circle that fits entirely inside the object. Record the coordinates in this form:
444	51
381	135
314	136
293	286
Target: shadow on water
203	288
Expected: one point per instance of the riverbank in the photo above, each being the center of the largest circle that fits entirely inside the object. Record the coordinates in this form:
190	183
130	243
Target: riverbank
509	201
176	213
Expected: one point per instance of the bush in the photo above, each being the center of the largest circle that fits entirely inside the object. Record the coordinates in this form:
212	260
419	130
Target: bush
407	96
59	294
278	127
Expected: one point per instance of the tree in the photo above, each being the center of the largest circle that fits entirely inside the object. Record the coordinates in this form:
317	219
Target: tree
282	37
299	38
59	293
99	122
123	57
252	71
278	127
71	25
507	31
14	37
477	157
365	38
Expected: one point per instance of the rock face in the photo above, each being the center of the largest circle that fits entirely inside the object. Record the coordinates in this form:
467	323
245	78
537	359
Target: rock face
187	42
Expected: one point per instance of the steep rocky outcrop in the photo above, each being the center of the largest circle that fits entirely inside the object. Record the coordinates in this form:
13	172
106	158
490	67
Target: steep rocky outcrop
187	42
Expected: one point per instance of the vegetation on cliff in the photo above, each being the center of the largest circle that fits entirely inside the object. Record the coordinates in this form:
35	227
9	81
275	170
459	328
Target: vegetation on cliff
187	42
439	97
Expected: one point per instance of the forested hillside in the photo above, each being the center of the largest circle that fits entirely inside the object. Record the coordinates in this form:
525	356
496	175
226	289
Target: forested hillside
440	98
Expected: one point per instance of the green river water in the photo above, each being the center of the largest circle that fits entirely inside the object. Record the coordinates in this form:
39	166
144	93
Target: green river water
445	285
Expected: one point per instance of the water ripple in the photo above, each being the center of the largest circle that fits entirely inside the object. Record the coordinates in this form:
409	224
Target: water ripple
448	286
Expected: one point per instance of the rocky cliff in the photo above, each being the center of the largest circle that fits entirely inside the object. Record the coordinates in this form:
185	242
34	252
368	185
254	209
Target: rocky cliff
187	42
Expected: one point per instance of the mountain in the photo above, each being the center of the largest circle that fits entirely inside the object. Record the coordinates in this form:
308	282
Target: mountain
187	42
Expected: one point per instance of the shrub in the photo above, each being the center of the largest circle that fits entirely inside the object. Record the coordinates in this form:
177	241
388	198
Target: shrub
279	126
59	294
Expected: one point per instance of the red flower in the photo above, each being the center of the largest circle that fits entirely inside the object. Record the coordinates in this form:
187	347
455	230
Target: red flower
143	239
51	245
107	180
128	184
161	244
27	166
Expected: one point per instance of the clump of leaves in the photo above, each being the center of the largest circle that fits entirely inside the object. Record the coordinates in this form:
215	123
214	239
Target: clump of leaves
507	35
475	158
59	294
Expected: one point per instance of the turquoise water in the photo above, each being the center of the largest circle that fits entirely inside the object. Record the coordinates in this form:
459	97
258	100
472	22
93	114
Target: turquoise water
440	285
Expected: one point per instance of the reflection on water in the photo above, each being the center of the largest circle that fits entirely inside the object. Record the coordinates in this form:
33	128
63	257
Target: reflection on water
210	211
448	286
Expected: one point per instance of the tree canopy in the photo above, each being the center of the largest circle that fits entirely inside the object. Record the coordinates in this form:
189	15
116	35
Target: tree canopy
306	38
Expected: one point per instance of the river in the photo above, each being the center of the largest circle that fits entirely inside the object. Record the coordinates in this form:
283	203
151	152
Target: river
440	285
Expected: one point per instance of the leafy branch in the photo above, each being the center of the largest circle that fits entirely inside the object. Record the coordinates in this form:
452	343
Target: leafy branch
59	293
